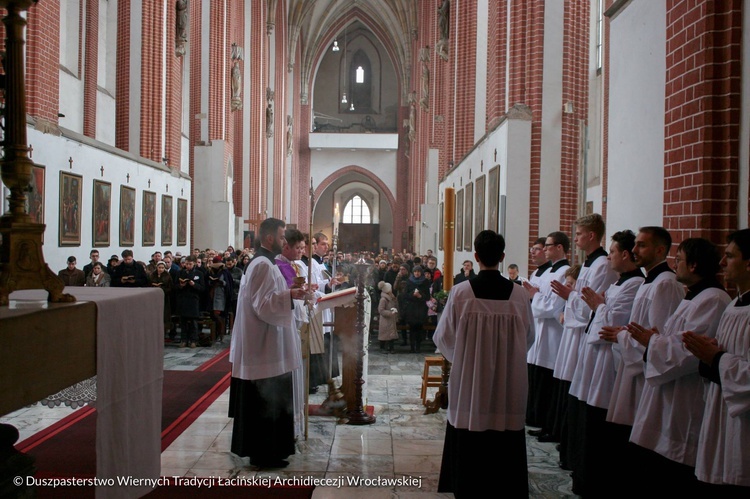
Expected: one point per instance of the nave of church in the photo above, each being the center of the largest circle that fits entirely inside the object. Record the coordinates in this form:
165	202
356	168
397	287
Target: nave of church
404	442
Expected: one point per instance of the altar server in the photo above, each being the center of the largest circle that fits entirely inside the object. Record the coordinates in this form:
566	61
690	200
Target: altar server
265	350
595	373
670	411
724	442
547	307
485	331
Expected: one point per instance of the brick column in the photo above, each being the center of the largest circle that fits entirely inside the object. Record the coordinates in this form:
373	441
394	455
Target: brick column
173	146
703	86
576	44
152	74
238	149
90	67
525	86
122	91
463	56
43	61
497	36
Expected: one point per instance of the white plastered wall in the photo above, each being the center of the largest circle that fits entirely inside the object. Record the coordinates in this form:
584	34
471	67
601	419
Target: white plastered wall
635	192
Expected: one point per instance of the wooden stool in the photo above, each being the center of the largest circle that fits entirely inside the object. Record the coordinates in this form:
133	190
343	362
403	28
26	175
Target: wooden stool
431	380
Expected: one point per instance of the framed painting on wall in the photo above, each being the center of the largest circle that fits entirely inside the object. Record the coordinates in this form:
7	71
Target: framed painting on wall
166	220
459	220
149	218
479	204
127	216
35	195
493	199
71	193
182	222
101	213
468	216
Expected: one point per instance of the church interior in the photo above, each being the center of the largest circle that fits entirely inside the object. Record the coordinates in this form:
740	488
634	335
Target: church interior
172	125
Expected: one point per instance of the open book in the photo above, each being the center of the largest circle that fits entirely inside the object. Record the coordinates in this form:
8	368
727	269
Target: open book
337	298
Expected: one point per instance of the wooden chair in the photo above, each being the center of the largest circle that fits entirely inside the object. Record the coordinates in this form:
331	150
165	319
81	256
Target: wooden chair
431	380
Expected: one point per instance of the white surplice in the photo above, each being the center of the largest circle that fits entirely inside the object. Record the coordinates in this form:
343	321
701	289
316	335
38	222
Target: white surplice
547	308
265	342
654	303
724	441
670	411
597	276
486	341
595	373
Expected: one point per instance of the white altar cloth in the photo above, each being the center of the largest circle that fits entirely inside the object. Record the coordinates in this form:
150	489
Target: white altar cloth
130	359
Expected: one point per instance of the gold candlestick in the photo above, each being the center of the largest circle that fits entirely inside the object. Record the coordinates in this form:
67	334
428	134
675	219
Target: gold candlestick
22	263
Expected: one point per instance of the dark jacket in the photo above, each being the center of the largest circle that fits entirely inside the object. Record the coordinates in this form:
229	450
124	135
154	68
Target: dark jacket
416	307
460	277
134	270
189	297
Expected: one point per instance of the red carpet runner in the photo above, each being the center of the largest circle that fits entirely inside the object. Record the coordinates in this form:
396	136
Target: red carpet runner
67	448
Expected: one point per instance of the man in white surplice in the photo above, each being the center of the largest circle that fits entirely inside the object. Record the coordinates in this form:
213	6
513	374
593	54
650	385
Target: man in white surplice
265	350
485	331
724	442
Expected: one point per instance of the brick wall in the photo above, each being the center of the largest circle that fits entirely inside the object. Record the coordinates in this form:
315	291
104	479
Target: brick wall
43	61
497	35
151	82
703	84
525	86
238	22
465	62
122	90
575	90
91	63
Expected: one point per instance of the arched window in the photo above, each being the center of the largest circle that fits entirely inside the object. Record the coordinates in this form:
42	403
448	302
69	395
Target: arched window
356	211
360	83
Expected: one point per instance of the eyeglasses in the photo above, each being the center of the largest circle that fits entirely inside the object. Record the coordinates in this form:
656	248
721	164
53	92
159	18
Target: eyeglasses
550	244
534	249
677	260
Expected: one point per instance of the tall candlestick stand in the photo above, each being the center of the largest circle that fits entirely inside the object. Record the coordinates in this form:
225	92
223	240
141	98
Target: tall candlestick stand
357	415
22	263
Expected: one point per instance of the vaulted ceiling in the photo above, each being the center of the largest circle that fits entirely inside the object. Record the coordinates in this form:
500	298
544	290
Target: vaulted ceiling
314	23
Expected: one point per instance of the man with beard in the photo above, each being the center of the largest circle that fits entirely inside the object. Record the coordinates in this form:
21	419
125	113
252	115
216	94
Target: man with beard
724	440
655	301
264	352
670	412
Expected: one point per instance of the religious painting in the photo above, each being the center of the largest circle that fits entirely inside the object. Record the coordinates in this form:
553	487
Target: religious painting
468	216
182	209
459	220
441	229
35	195
149	218
493	199
71	196
479	204
101	213
166	220
127	216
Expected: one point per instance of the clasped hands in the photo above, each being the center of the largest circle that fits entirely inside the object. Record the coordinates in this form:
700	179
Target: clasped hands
638	332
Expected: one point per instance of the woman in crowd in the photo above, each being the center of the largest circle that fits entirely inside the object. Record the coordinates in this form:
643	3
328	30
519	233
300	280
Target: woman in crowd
387	332
98	278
